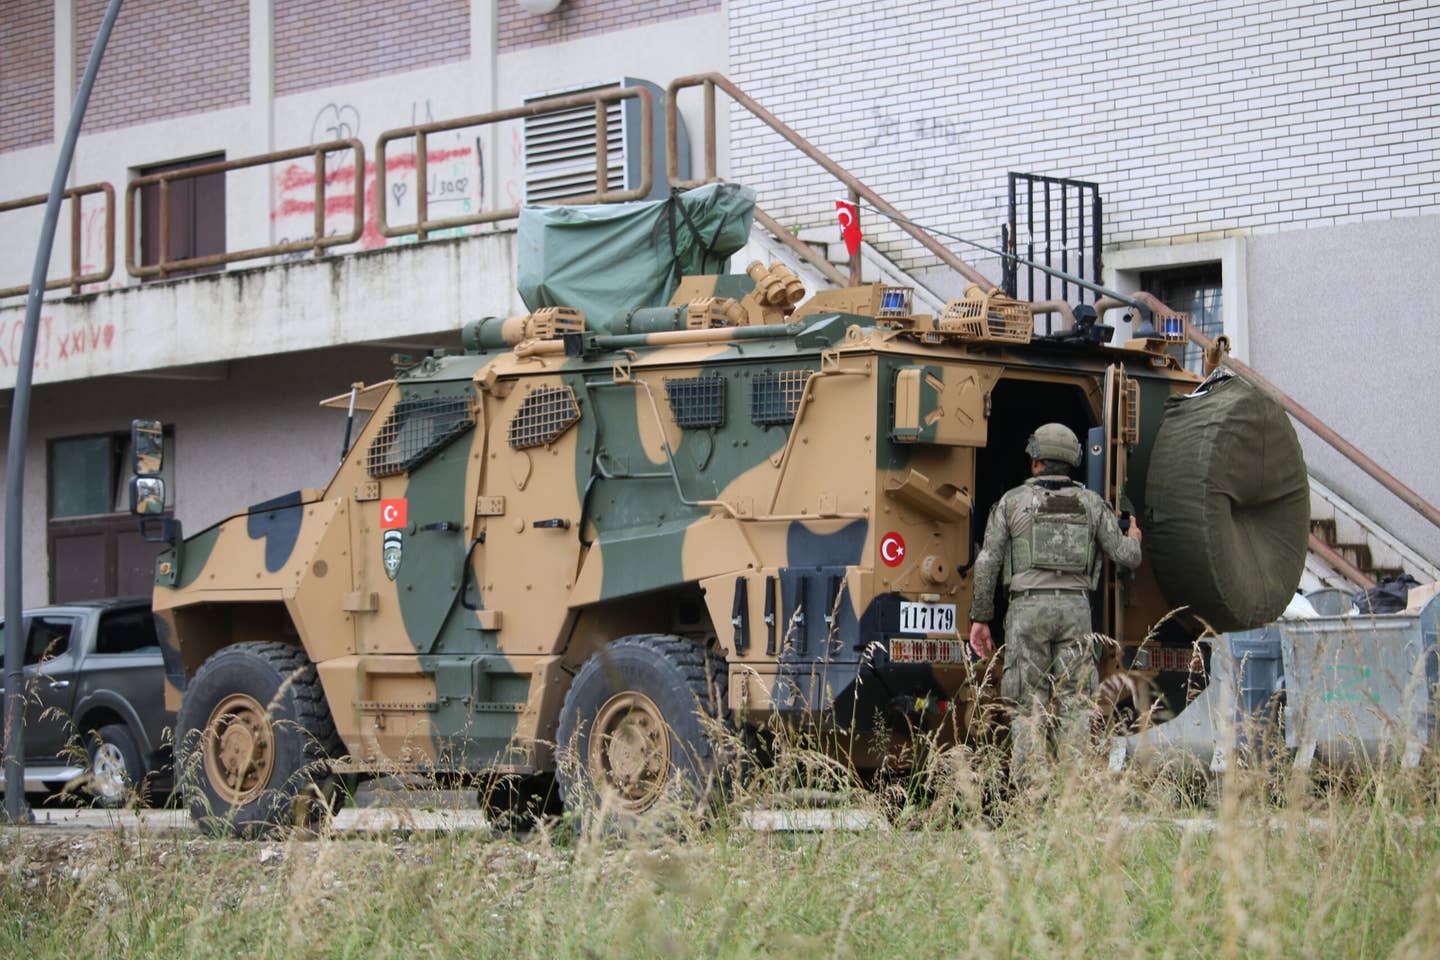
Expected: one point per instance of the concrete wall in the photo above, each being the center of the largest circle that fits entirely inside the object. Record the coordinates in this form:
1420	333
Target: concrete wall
254	433
408	291
1343	319
1198	118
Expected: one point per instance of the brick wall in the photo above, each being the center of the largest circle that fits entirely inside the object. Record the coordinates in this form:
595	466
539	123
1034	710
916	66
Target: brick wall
581	18
27	73
166	58
1196	118
323	42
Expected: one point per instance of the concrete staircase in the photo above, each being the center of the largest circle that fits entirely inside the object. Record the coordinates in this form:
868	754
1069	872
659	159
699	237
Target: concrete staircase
1361	541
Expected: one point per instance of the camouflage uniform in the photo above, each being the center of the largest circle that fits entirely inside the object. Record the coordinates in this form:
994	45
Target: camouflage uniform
1050	570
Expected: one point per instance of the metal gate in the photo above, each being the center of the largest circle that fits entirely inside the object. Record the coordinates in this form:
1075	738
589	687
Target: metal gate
1057	223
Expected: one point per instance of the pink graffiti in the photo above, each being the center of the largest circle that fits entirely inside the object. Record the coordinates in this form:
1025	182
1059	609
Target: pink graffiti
297	177
54	347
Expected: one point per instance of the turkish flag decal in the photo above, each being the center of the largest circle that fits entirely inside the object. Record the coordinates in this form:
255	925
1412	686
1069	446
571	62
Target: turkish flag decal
393	514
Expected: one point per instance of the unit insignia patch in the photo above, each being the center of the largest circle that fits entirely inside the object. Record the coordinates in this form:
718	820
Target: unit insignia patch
390	551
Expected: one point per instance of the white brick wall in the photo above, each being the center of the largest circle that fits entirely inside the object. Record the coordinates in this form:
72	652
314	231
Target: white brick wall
1197	119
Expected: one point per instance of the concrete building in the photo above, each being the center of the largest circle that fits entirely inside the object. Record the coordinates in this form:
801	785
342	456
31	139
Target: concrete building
1270	166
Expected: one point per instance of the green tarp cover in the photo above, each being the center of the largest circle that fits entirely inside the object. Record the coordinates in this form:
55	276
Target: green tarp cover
608	259
1228	506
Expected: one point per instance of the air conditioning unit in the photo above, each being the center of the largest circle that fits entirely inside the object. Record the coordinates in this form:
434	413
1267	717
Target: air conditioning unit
560	147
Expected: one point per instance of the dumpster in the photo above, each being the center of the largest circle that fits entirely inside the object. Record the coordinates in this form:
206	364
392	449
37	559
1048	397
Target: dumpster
1361	686
1340	688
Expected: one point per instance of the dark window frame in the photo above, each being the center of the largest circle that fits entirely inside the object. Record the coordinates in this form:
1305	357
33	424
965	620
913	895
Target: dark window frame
197	216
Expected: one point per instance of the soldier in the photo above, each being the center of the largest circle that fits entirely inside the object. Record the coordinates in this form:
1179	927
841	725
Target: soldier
1044	535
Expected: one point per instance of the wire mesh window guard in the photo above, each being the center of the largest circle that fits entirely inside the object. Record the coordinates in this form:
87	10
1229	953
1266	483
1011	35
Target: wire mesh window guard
774	397
544	414
415	431
697	401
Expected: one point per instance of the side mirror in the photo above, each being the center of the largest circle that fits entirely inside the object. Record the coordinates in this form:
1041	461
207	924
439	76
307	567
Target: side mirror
147	496
147	441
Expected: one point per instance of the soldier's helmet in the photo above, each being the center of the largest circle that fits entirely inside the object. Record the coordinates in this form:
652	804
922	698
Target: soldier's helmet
1054	441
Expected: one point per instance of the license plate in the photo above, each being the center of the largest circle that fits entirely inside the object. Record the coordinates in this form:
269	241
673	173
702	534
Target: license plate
927	617
916	650
1168	659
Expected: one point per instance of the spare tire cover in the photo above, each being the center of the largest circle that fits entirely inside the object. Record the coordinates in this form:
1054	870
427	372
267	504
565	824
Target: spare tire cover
1227	506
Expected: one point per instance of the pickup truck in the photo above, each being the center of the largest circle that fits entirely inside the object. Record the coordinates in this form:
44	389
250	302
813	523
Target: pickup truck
95	714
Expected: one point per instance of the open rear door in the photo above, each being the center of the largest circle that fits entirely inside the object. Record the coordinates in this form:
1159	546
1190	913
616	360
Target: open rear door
1121	428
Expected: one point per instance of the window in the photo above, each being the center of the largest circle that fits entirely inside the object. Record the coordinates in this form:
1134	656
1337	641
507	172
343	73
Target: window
94	544
196	216
126	631
1205	279
49	638
1195	290
90	475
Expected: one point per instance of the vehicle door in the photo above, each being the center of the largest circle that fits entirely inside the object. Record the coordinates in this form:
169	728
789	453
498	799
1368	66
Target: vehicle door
411	538
51	661
126	667
1121	432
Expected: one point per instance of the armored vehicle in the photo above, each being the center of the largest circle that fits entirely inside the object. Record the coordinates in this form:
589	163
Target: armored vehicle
669	502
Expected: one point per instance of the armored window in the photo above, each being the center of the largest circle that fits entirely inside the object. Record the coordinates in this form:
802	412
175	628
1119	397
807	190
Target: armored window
416	430
774	397
545	413
697	401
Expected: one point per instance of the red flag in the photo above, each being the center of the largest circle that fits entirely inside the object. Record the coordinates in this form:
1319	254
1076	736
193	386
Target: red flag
849	215
393	513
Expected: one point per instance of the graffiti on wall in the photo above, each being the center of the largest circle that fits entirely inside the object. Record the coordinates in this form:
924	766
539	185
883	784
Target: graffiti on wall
455	183
57	345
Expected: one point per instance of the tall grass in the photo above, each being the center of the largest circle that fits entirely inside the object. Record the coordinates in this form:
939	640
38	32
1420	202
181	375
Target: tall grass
1084	864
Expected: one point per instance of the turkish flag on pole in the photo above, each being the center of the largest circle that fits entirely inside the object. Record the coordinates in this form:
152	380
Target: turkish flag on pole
849	215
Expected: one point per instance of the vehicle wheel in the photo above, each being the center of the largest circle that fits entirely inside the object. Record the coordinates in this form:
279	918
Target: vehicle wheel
117	771
1128	703
255	737
638	725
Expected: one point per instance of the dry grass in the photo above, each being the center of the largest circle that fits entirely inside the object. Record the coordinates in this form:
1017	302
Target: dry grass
1087	864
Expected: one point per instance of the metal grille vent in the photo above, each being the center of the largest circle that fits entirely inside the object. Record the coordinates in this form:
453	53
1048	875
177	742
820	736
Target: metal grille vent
560	150
990	317
415	431
774	397
697	401
895	303
545	413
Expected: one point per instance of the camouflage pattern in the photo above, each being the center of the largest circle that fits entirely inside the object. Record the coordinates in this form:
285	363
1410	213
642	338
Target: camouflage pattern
1011	520
1049	658
774	489
1054	441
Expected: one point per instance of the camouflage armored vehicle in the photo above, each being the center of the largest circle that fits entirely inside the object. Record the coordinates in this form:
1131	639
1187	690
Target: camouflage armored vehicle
620	527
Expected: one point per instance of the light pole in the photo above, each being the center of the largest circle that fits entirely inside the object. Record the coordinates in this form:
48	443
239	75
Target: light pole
14	758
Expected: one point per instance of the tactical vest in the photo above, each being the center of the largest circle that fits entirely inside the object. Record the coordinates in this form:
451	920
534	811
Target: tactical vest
1052	539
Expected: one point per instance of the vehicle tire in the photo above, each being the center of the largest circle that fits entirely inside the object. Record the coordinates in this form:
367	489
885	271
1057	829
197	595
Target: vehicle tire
254	739
638	725
117	769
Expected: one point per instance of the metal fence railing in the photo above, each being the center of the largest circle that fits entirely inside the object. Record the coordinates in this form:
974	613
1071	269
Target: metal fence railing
319	242
424	225
77	278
